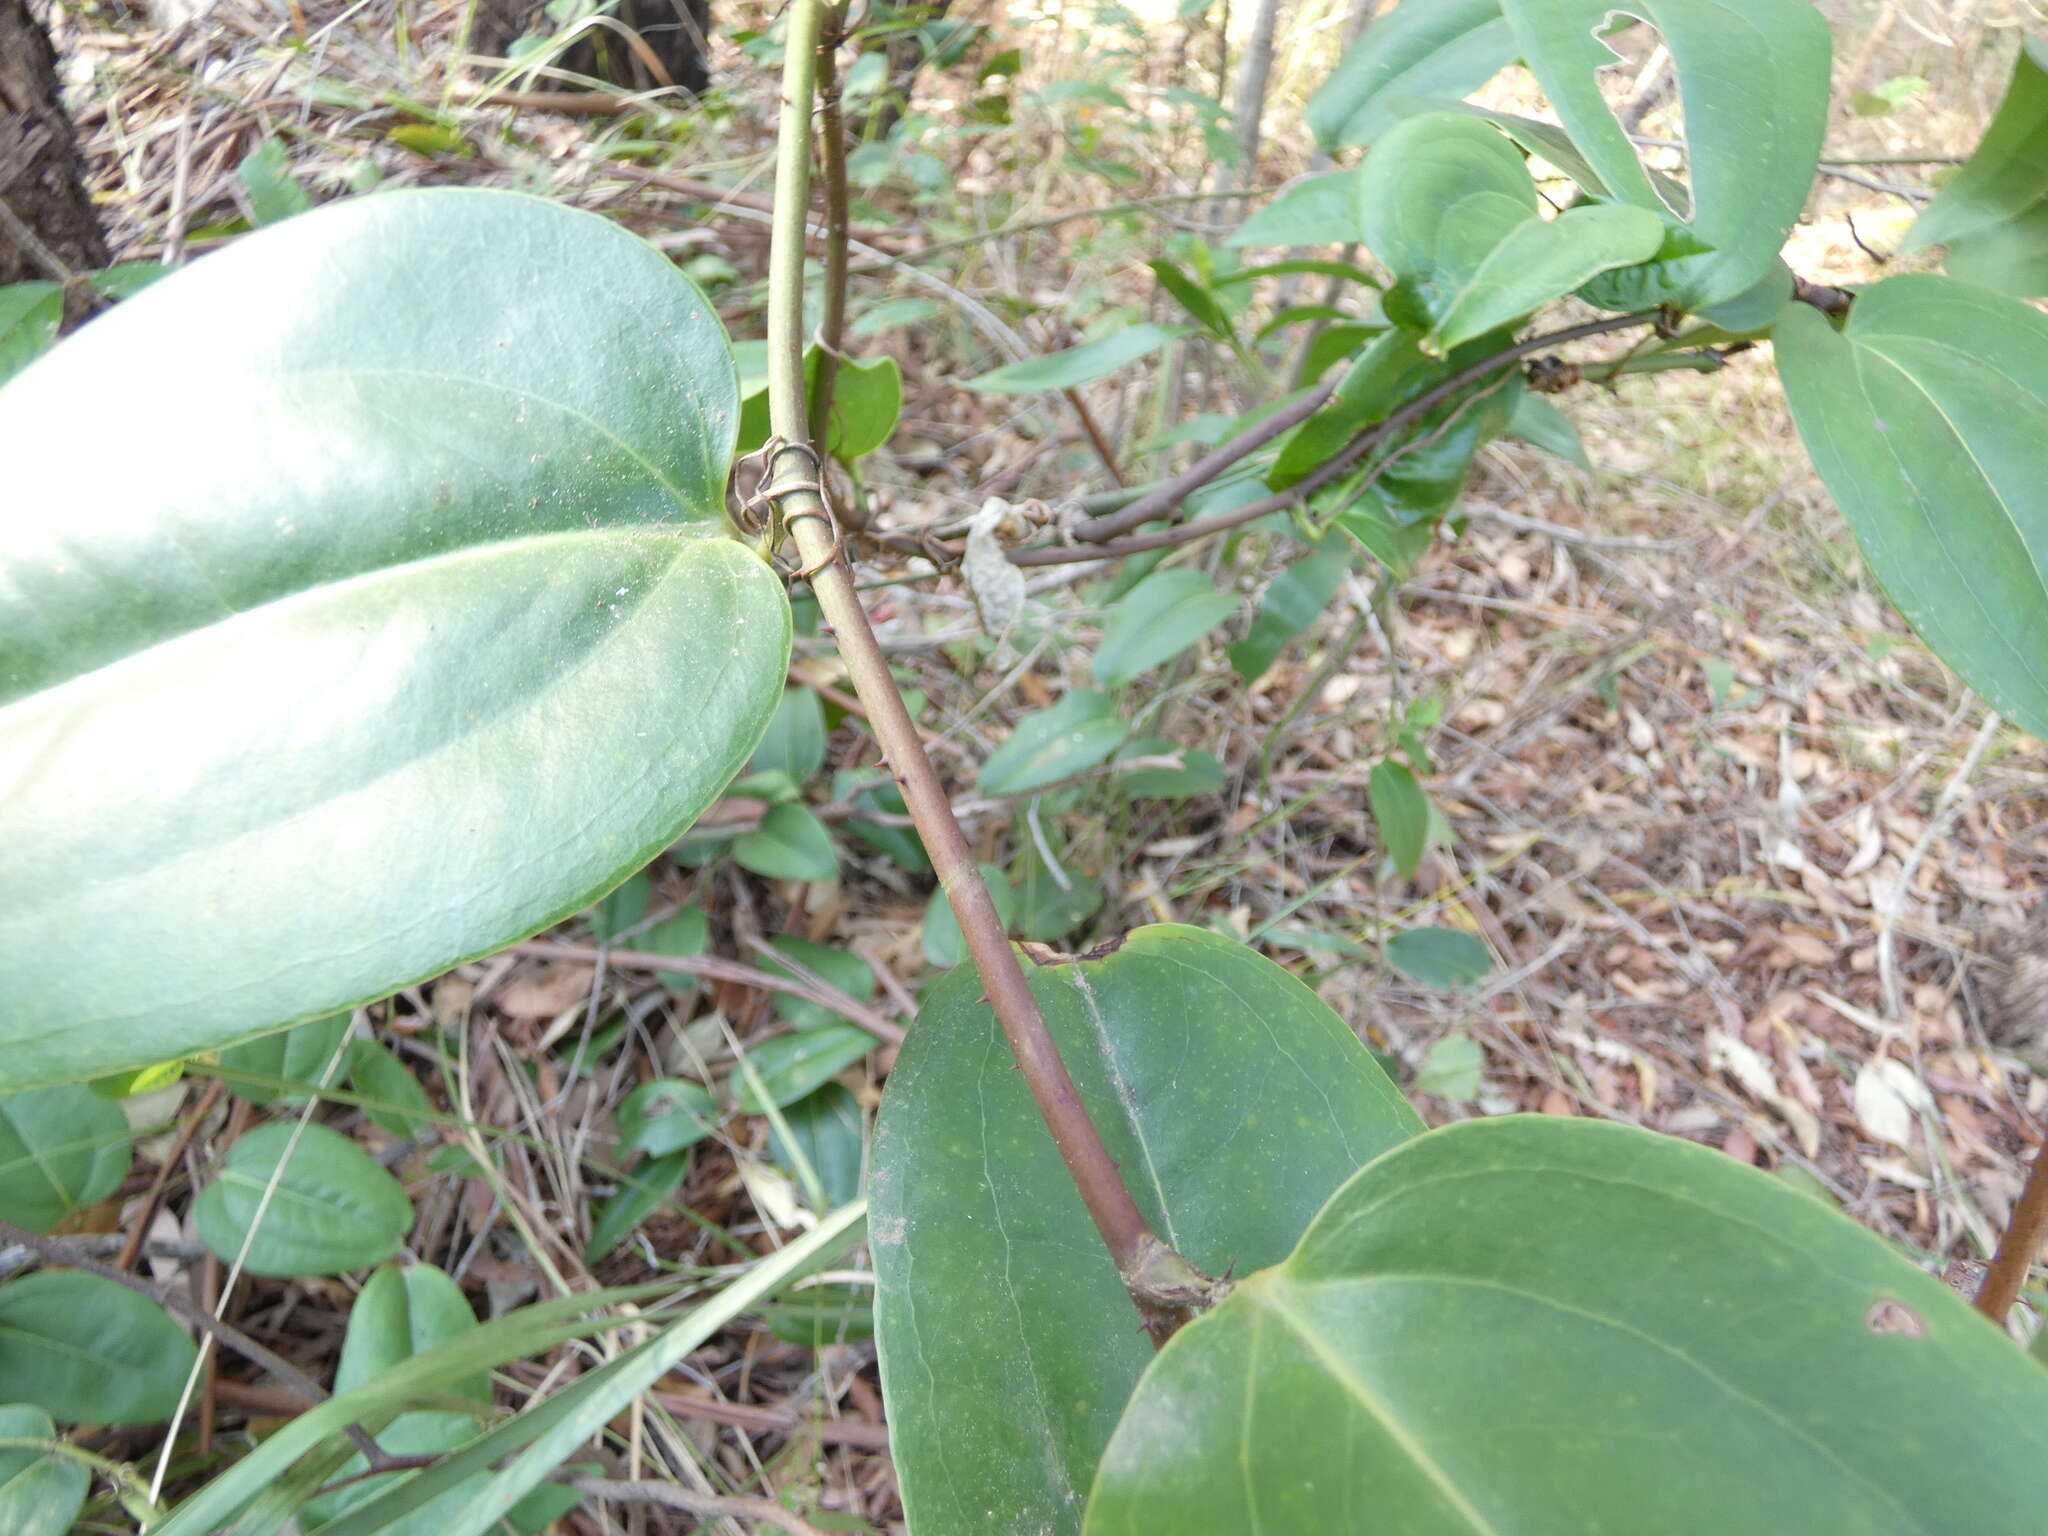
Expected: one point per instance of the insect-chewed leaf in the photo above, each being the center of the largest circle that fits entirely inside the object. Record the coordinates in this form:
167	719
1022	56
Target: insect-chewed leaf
403	623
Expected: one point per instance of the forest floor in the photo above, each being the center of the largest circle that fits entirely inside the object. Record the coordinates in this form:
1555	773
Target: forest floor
1738	844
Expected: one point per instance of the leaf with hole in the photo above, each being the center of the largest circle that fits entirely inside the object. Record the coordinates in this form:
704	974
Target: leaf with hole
790	1066
1925	415
41	1492
60	1148
789	844
1080	365
1234	1100
88	1351
1677	1343
1424	48
1993	215
1449	959
467	603
1048	745
332	1208
1753	78
1155	621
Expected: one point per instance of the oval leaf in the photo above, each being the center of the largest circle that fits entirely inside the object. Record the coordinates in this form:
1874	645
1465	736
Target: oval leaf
790	1066
41	1493
789	844
1076	734
286	737
945	946
1424	48
1546	259
60	1148
1156	620
1534	1324
1233	1099
1753	75
1078	365
1400	806
666	1116
333	1209
265	1069
88	1351
841	968
1447	958
397	1102
828	1130
1925	415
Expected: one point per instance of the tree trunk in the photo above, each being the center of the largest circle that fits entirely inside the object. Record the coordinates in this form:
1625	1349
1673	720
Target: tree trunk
675	32
48	228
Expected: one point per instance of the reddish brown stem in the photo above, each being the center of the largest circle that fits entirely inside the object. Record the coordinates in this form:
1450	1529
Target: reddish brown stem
2019	1247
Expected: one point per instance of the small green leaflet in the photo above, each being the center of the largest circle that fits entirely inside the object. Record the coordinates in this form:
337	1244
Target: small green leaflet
1079	365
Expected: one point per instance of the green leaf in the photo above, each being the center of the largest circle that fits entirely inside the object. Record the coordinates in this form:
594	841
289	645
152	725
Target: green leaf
333	1209
1753	75
842	968
1400	807
402	1313
622	908
30	315
867	397
1993	216
266	175
665	1116
1200	773
795	743
650	1186
1534	1324
1446	958
1196	299
1293	601
401	1105
685	934
1424	48
60	1148
1048	910
289	1064
1076	734
944	944
790	1066
1390	369
1925	415
1156	620
41	1492
1450	1070
1233	1099
88	1351
1537	422
459	643
827	1128
1079	365
1319	210
789	844
1544	260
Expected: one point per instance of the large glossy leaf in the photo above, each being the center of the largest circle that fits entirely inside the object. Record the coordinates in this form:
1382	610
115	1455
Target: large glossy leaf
1558	1326
1926	416
1993	216
40	1493
403	624
1233	1100
1753	76
60	1148
88	1351
1425	48
325	1205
